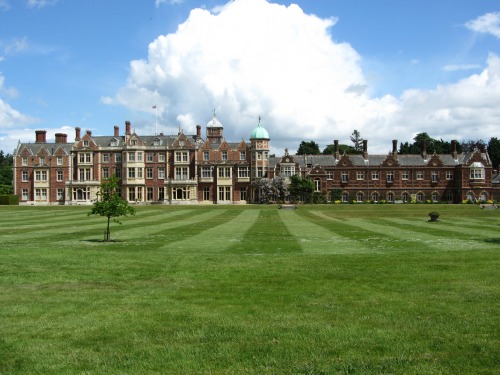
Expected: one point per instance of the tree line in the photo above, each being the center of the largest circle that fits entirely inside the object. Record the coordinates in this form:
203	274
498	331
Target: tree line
6	174
439	146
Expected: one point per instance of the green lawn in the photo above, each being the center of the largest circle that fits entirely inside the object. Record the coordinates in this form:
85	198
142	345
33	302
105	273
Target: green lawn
348	289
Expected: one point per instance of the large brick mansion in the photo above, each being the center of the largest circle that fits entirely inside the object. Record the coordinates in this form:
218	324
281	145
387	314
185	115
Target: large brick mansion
191	169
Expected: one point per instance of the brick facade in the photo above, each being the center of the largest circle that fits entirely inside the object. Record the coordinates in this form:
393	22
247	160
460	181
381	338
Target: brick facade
187	169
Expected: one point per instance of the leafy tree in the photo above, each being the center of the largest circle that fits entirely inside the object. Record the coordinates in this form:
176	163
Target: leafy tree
301	188
6	174
432	145
471	145
281	185
357	140
110	204
336	194
273	189
308	148
329	150
494	152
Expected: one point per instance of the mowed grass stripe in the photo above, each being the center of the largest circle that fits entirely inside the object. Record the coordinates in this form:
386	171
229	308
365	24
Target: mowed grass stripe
269	235
315	237
451	235
219	237
360	238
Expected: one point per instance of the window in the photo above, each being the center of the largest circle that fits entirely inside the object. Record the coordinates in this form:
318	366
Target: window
317	185
243	172
420	197
345	176
224	193
25	194
434	176
60	194
133	142
131	174
118	172
25	176
390	197
24	161
360	175
131	156
139	172
85	143
374	175
149	194
105	158
405	175
131	194
42	160
206	172
139	156
359	197
181	143
139	193
181	157
161	194
85	157
375	197
477	171
390	176
40	175
59	160
181	193
420	175
59	175
260	171
243	155
449	175
483	197
161	173
287	170
149	173
345	197
206	155
206	193
161	157
405	197
156	142
118	158
435	197
329	175
181	173
150	157
224	172
224	155
243	194
81	194
41	194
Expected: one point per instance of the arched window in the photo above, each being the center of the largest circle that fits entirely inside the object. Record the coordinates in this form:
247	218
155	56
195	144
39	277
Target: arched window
435	197
483	197
405	197
375	197
390	197
420	197
345	197
317	185
359	197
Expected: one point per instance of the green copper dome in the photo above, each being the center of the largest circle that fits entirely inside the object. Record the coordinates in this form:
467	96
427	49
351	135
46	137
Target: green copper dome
259	133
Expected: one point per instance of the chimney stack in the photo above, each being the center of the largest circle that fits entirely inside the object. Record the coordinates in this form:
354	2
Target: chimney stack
117	131
336	149
454	149
424	149
127	127
77	134
394	146
365	149
198	131
89	133
61	138
41	136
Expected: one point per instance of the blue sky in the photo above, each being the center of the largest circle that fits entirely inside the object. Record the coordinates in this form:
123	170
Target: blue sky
315	70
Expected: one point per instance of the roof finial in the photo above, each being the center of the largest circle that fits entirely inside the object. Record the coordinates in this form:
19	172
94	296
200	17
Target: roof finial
214	111
259	119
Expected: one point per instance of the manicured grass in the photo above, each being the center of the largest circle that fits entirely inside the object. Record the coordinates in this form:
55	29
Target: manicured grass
348	289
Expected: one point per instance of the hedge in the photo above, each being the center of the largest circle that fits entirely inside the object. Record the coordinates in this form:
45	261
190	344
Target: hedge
9	200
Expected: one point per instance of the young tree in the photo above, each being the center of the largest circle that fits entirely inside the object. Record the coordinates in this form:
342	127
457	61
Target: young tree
110	204
357	140
308	148
301	188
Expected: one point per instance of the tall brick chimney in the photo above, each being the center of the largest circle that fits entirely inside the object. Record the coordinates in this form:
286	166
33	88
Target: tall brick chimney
336	149
117	131
61	138
454	152
424	149
77	133
40	136
127	127
89	133
365	149
198	131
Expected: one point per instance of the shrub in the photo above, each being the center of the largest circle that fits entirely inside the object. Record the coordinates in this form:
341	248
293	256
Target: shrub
9	200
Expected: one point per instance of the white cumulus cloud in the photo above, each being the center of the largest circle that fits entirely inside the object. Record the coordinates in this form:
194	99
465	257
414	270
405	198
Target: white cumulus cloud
488	23
251	58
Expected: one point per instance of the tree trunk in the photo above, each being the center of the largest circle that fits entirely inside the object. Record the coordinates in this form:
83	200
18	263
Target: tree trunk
107	231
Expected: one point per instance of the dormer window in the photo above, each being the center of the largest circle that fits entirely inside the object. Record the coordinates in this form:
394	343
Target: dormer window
156	142
181	143
133	142
85	143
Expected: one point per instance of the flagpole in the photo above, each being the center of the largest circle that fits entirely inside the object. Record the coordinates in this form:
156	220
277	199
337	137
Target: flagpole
156	119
